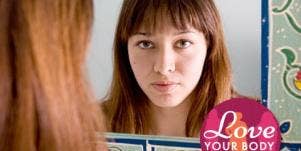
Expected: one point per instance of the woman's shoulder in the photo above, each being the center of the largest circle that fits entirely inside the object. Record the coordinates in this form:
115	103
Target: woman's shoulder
104	105
107	112
235	94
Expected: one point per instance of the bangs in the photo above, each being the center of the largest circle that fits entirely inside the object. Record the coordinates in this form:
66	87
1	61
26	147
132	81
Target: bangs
152	15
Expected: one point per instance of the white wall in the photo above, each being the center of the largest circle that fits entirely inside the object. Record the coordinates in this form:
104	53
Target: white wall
241	19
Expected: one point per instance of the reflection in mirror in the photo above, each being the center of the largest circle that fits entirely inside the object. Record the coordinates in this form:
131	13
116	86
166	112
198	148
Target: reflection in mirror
158	76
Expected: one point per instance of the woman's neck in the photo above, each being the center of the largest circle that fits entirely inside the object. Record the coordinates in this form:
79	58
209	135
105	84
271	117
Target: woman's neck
170	121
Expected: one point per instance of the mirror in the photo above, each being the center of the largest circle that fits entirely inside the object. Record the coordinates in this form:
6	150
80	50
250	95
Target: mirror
242	26
241	21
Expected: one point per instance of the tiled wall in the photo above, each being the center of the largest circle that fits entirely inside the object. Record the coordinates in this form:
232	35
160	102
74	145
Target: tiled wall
281	85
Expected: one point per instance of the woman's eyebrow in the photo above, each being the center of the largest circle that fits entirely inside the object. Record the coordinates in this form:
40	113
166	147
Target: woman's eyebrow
142	34
184	32
148	34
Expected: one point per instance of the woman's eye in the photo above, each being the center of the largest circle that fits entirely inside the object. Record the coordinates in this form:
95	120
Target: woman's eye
182	44
145	44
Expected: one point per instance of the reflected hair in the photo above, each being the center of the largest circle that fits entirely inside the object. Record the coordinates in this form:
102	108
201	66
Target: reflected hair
45	101
127	107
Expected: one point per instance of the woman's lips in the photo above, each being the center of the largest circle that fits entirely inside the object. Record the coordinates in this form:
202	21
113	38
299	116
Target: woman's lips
164	86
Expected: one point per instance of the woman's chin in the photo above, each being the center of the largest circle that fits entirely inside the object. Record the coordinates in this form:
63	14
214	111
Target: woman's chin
167	102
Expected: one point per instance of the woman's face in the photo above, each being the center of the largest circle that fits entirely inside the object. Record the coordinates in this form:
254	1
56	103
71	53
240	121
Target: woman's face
167	63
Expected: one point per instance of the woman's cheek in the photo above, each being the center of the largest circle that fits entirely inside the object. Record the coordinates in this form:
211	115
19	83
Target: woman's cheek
141	66
192	66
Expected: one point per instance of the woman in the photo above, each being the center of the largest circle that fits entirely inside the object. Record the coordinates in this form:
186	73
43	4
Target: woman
170	67
45	103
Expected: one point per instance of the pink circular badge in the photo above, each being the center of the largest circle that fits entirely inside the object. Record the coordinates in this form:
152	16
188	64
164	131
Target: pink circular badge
240	125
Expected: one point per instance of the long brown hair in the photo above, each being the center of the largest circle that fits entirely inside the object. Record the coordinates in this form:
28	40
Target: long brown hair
45	102
126	107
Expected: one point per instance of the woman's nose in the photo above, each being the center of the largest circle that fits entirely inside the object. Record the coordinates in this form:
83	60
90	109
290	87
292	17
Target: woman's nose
165	61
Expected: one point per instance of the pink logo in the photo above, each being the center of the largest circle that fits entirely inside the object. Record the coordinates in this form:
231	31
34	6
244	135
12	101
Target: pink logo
240	125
